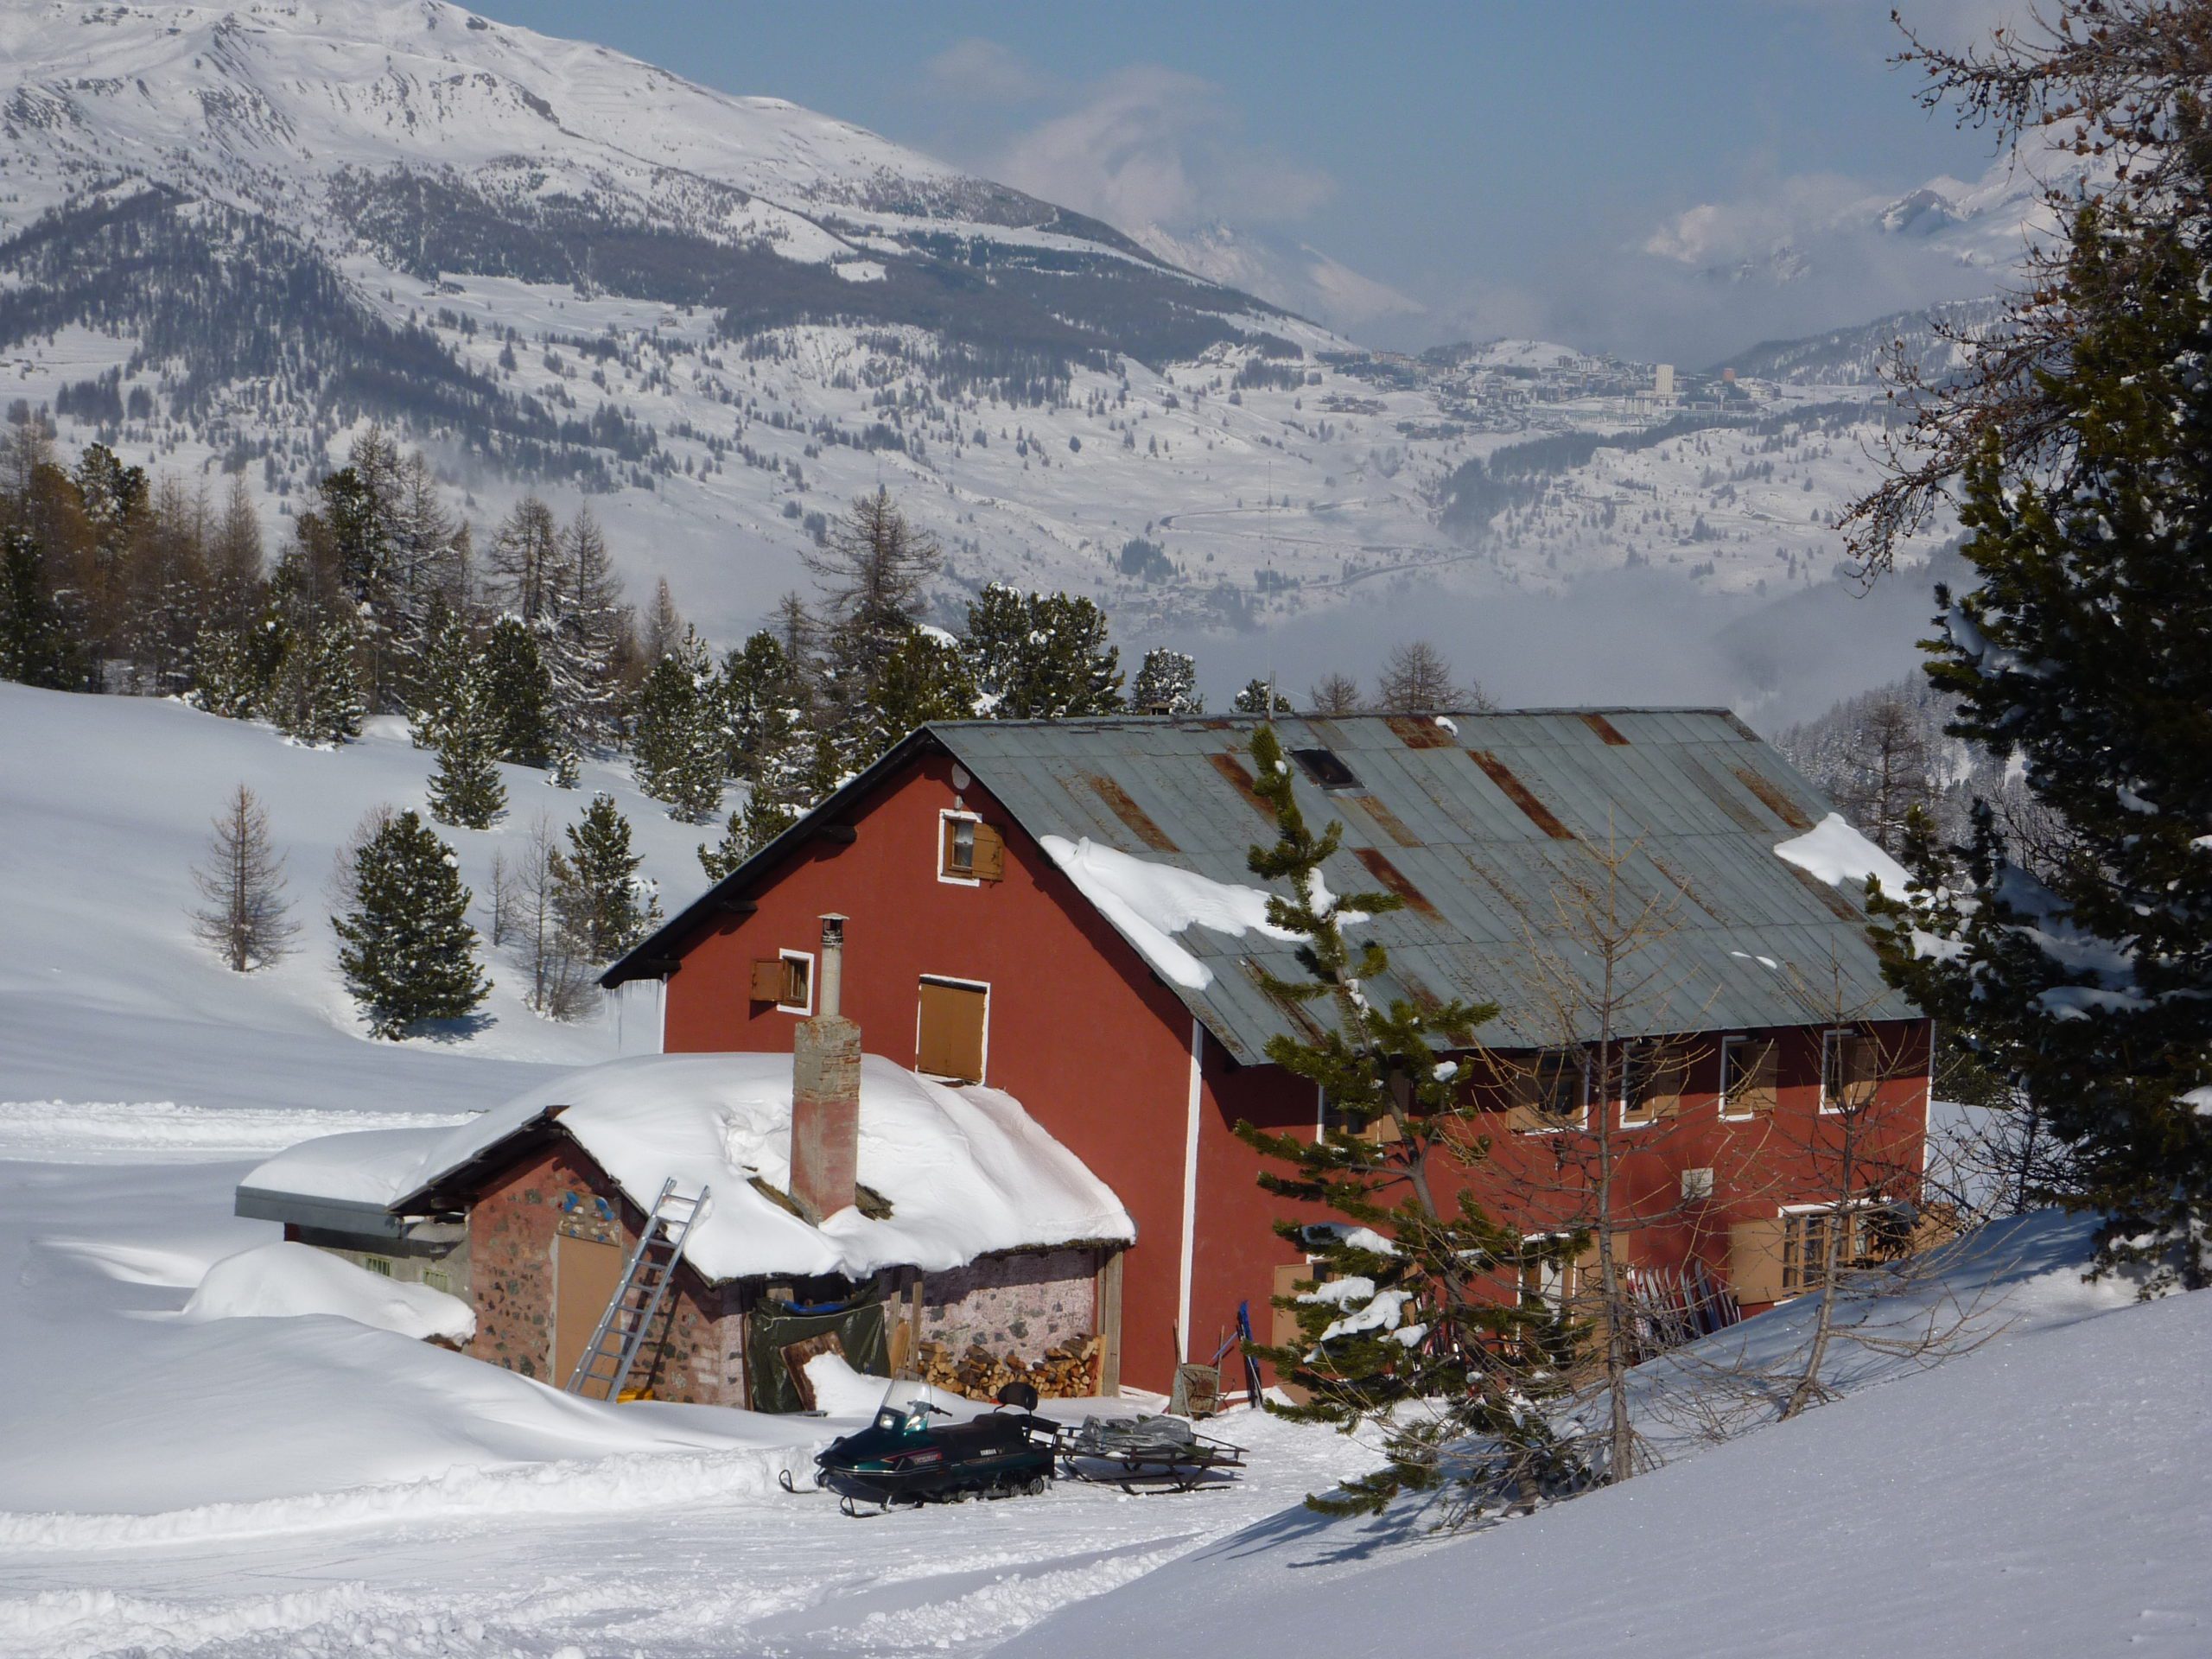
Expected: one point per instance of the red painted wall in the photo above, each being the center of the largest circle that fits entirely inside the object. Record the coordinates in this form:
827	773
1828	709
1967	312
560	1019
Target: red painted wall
1079	1031
1098	1051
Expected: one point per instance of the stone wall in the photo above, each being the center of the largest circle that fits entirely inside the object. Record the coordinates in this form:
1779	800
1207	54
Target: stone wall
1021	1303
511	1227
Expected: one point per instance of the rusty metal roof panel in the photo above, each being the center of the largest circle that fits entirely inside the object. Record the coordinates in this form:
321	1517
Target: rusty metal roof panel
1477	824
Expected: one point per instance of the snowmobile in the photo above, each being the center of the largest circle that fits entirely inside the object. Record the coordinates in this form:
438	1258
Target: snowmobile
905	1457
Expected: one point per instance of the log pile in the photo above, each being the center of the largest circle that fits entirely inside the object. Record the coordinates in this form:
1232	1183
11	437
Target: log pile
1070	1370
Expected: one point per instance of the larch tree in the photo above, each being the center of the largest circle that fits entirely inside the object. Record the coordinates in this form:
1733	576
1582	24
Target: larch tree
1333	694
1416	679
243	914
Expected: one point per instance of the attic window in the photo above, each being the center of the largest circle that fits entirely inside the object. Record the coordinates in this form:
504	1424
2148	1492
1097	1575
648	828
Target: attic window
969	850
1326	768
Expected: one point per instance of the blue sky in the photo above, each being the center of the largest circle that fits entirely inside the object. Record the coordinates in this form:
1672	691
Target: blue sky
1497	163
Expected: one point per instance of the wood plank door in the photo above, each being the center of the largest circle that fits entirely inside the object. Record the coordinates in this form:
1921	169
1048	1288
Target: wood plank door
585	1274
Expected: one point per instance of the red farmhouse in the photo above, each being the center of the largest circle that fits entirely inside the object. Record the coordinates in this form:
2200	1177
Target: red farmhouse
1063	911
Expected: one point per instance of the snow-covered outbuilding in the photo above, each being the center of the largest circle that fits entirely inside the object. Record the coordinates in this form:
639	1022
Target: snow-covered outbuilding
965	1222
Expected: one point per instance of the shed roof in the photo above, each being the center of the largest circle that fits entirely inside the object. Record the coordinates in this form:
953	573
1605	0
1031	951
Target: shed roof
965	1172
1480	821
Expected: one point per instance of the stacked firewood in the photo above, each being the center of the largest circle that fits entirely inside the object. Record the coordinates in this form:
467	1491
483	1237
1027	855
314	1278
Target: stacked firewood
1067	1371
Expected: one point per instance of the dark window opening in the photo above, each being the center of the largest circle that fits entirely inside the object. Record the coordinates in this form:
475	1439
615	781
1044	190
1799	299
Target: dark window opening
1326	768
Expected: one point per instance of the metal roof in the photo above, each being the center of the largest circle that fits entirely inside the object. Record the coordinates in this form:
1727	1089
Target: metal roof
1480	825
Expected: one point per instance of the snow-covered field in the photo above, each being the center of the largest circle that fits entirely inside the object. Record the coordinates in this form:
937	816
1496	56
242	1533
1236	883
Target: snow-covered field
179	1477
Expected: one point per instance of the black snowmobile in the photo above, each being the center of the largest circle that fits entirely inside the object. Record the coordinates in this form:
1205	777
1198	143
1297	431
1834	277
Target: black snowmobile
905	1457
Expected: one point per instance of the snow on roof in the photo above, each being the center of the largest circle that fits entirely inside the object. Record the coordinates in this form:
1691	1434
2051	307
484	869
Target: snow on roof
1836	853
1149	903
966	1172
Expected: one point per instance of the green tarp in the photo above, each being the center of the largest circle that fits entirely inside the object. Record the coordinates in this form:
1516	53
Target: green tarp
858	1331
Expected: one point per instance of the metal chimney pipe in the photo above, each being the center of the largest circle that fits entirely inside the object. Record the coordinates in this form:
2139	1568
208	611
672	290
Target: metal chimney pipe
833	965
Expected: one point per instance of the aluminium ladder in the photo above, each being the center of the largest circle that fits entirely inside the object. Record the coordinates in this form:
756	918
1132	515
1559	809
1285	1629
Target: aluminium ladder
621	1333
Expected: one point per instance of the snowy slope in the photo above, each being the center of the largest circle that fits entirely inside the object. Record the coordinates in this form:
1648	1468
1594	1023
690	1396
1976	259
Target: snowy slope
106	997
2042	1496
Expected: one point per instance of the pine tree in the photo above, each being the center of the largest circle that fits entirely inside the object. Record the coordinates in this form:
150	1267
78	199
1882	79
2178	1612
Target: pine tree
38	644
1259	697
1409	1333
923	680
518	688
679	751
227	678
761	703
317	695
2082	444
605	906
1166	684
752	827
242	882
1040	656
466	788
406	949
448	656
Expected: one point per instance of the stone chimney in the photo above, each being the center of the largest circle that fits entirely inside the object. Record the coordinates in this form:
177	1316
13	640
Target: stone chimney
826	1090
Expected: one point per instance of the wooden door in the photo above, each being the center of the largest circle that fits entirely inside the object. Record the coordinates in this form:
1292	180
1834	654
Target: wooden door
950	1042
585	1274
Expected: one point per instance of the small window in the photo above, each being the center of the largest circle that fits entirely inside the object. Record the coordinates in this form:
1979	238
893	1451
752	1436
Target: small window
1849	1068
1807	1235
1326	767
1552	1092
950	1033
437	1278
1655	1077
378	1264
1750	1068
969	850
786	980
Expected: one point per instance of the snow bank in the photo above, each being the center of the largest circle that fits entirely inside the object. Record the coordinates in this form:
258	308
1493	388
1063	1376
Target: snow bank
841	1391
2042	1494
283	1280
1837	854
966	1171
1148	904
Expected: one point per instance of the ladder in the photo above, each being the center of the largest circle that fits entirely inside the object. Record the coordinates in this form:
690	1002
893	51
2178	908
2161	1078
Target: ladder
621	1333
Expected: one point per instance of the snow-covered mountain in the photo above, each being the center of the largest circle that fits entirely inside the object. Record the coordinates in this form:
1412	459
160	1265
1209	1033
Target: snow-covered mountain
230	237
1290	273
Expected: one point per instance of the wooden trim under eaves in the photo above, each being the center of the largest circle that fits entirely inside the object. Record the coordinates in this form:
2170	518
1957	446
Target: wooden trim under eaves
1518	792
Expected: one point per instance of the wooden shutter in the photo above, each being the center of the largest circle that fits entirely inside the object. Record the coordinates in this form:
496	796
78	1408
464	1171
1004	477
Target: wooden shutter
1287	1277
990	854
1755	1260
768	979
950	1043
1858	1068
1754	1068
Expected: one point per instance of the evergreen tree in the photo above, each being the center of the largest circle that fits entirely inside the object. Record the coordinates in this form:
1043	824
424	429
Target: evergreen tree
518	688
1259	697
605	906
406	949
2082	975
679	751
752	827
1166	684
1040	656
228	678
316	694
925	679
1414	1331
446	659
466	788
38	644
761	703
